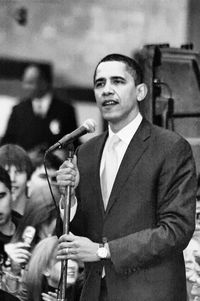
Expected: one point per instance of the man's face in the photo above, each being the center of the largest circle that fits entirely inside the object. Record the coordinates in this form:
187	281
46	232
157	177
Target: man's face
5	204
116	94
39	178
18	181
34	86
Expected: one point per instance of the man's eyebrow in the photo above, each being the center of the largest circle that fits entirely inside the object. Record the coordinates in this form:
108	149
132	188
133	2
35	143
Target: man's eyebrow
99	79
118	77
2	193
112	77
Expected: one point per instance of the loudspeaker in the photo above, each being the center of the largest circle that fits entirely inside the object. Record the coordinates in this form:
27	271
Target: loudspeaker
173	101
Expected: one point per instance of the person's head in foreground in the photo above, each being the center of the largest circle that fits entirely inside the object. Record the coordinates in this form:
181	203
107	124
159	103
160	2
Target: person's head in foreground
44	269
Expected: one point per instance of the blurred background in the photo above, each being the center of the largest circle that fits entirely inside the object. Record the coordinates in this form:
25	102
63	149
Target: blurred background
71	36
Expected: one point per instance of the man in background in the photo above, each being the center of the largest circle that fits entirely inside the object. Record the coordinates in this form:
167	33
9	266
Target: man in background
40	119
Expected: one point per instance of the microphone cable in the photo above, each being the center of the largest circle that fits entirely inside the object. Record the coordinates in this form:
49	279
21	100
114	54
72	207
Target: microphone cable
49	183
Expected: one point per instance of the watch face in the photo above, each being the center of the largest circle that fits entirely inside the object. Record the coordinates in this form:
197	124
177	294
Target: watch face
102	252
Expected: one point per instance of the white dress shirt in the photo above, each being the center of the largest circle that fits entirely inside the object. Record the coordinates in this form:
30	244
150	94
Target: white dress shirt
125	135
41	105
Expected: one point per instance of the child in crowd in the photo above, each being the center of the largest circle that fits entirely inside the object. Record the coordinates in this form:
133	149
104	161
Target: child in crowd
19	166
44	271
9	219
41	215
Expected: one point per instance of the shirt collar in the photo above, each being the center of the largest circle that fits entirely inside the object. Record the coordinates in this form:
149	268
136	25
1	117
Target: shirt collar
42	105
46	98
127	133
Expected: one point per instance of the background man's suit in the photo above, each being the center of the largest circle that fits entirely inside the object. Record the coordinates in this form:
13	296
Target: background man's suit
149	219
29	130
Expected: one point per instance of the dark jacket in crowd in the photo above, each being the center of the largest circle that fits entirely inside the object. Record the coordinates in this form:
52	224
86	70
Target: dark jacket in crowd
30	131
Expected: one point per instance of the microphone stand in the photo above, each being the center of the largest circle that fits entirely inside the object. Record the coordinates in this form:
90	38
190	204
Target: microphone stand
66	200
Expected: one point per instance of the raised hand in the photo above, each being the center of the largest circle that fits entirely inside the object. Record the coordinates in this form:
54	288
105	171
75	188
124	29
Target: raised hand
18	252
50	296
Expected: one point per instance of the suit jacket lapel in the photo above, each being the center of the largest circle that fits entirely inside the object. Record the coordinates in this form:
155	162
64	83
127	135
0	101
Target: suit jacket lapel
135	150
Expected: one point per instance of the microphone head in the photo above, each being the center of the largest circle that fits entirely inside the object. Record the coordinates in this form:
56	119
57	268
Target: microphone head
28	234
90	125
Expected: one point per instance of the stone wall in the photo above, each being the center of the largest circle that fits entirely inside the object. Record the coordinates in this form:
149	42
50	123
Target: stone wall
75	34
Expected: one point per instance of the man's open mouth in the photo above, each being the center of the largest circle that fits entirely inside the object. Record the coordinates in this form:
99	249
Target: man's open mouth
109	102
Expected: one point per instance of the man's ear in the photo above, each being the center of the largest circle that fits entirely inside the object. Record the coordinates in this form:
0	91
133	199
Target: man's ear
141	91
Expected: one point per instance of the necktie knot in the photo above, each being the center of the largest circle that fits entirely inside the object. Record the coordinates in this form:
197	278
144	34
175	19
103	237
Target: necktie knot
114	141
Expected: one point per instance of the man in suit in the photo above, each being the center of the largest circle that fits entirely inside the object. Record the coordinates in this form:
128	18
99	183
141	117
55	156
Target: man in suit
40	119
131	239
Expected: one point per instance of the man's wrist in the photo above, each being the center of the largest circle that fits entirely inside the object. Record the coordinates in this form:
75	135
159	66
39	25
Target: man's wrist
103	251
106	245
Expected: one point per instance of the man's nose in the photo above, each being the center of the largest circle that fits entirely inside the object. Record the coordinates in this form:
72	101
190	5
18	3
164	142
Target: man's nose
108	89
12	175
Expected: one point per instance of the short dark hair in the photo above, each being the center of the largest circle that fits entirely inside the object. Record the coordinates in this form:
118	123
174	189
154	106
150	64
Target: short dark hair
52	161
5	178
132	65
45	72
13	154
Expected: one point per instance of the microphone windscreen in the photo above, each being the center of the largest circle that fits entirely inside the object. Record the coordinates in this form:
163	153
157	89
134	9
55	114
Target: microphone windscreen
28	234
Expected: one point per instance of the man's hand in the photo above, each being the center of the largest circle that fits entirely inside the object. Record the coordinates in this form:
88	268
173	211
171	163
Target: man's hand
77	248
49	297
18	252
68	175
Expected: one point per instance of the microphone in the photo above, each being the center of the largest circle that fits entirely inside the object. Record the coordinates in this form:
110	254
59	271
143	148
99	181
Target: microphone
87	127
27	237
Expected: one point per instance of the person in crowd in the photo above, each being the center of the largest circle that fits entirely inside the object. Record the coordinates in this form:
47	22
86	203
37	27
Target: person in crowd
9	219
40	214
39	178
44	272
19	166
135	186
192	257
195	289
40	119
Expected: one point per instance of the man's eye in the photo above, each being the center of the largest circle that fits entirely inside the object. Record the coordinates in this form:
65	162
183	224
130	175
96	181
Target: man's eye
118	81
53	179
99	84
19	171
42	176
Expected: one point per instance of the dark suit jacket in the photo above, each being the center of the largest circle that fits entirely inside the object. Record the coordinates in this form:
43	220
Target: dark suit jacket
149	219
4	296
30	131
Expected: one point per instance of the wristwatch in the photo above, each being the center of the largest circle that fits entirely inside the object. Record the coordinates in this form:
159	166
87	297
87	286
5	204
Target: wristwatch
102	252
